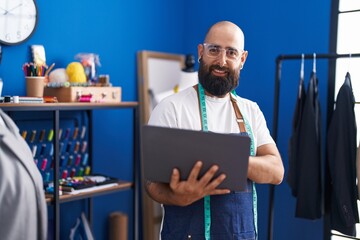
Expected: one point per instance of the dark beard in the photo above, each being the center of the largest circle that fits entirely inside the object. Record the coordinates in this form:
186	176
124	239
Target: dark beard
217	86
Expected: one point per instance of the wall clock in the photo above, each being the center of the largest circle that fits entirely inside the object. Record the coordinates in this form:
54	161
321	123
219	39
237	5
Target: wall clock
18	19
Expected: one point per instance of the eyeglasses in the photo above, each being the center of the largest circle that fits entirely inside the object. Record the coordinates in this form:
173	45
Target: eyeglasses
214	51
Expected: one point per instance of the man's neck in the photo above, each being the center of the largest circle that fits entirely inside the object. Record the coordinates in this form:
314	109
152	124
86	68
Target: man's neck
210	95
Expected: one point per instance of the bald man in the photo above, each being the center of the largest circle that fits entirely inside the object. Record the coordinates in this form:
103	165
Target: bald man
196	208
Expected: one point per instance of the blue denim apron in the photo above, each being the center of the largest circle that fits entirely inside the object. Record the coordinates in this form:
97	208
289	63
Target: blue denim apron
232	215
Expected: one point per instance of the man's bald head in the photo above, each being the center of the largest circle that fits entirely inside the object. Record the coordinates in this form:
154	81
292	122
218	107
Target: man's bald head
221	57
228	33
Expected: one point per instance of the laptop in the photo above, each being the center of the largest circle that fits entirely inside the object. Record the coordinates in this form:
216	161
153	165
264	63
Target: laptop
164	149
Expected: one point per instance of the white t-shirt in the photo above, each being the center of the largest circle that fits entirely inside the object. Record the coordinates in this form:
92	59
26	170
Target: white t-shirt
181	110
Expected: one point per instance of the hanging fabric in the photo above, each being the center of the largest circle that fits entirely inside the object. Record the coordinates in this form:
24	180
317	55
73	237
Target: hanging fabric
294	139
341	157
358	169
277	90
308	165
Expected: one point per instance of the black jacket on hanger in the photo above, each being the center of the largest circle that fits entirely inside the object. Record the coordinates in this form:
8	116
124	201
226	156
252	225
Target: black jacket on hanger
308	165
294	139
341	157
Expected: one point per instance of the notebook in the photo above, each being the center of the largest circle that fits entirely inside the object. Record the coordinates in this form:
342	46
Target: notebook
165	148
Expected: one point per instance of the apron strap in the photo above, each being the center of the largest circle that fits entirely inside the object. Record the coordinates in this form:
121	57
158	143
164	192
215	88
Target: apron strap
239	117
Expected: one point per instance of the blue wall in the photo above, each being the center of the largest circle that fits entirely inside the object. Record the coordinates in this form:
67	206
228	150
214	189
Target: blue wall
117	29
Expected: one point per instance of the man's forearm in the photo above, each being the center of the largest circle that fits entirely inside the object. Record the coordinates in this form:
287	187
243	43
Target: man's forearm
267	166
159	192
265	169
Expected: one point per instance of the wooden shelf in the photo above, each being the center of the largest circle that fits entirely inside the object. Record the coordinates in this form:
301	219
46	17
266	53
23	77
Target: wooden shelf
122	185
64	106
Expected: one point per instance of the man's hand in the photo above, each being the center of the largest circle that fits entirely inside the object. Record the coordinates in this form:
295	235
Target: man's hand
183	193
193	189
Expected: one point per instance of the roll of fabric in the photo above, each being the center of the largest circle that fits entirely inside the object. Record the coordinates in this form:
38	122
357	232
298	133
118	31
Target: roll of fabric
118	227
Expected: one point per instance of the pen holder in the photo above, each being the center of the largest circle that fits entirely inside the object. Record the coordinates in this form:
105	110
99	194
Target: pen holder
35	86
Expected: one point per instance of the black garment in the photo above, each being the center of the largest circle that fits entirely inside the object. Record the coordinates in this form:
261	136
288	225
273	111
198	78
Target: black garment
341	157
308	165
294	139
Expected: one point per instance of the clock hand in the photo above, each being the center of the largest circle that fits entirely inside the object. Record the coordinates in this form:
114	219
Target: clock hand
20	4
6	11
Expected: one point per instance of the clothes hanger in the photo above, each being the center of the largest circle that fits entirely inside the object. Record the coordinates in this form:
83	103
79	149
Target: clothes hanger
347	76
301	74
302	67
314	62
315	82
349	63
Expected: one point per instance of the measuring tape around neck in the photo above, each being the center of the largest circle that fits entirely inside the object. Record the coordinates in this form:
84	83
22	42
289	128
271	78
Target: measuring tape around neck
204	124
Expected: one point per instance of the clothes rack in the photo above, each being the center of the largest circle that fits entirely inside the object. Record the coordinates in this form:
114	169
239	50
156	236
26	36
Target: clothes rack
330	106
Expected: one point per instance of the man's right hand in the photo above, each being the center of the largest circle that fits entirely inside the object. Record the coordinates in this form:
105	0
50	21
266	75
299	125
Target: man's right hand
195	188
183	193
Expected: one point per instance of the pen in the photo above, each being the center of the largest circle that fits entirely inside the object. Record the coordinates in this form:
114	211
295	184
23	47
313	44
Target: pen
70	160
87	170
42	135
51	151
77	146
49	69
84	145
47	177
75	133
33	135
73	171
34	148
23	134
83	132
81	172
61	146
38	70
62	160
51	135
77	160
67	133
43	164
64	174
85	159
60	133
42	150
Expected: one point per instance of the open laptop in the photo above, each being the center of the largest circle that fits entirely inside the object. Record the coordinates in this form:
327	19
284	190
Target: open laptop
166	148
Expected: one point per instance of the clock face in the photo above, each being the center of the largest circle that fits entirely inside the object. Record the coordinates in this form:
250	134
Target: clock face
18	19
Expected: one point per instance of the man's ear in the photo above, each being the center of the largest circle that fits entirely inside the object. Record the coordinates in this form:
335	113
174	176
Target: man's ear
200	51
243	58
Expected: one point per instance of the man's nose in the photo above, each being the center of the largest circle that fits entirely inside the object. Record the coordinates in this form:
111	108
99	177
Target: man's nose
222	58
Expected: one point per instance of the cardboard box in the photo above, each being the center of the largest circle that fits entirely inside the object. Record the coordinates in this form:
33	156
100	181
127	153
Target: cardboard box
81	94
